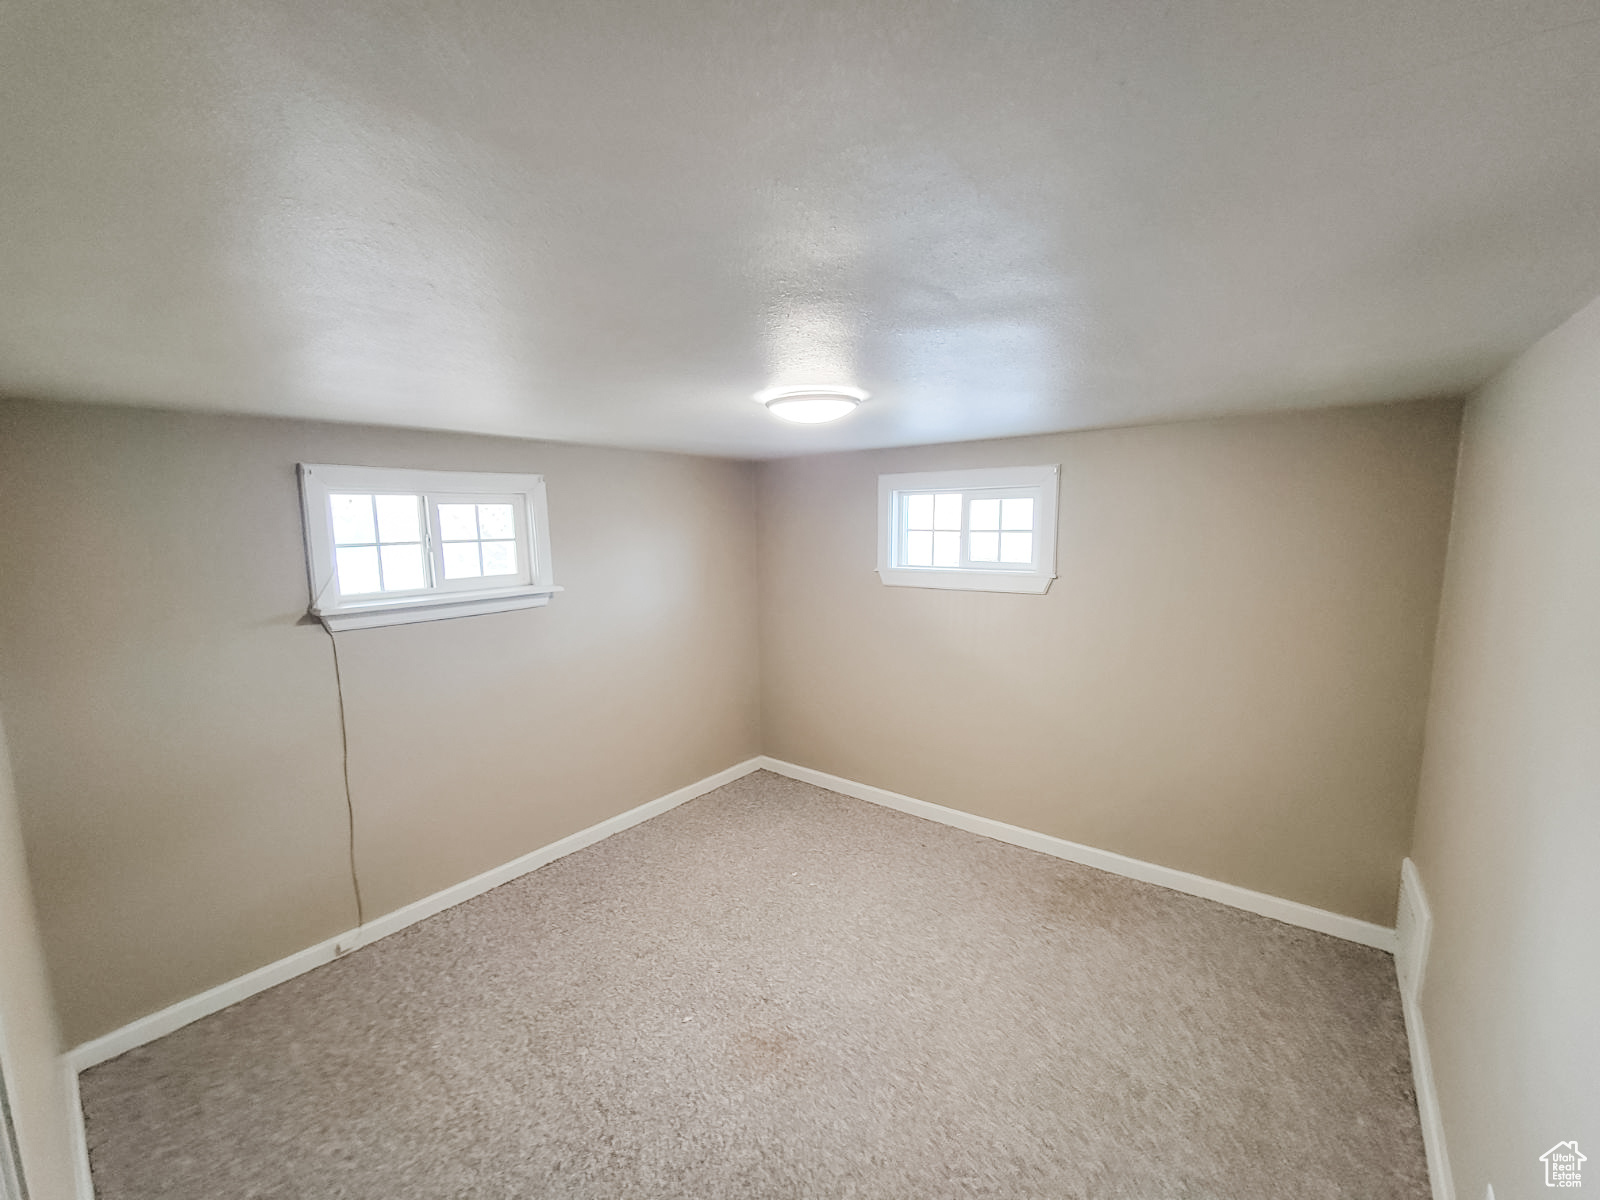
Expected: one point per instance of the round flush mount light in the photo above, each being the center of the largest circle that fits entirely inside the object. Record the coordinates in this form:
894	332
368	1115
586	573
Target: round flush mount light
811	405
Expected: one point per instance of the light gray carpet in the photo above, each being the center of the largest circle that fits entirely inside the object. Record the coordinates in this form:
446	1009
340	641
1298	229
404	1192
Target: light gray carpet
775	991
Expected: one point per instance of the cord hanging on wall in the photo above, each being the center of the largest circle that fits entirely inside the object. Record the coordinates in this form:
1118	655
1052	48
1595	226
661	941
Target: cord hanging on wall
349	803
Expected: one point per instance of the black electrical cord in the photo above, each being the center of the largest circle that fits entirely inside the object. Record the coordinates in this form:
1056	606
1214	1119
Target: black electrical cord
349	804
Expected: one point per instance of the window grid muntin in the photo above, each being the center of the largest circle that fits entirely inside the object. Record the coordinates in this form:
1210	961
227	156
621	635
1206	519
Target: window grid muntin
431	543
489	524
378	542
523	540
907	500
932	529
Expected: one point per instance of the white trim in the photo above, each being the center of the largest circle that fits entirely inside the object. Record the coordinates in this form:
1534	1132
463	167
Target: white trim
434	608
13	1184
441	599
975	477
159	1024
1291	912
1035	579
1415	929
83	1182
1028	582
1440	1176
13	1179
176	1016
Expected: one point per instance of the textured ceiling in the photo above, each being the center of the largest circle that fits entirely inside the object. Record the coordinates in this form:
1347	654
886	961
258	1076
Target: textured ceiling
613	222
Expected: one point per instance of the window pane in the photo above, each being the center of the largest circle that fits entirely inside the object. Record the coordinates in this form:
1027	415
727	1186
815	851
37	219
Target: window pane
358	568
461	558
352	520
1017	514
1016	547
499	558
919	512
946	549
496	521
397	522
947	511
985	546
985	514
402	568
919	549
459	523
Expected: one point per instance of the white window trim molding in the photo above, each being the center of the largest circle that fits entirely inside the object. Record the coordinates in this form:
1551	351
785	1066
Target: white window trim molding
1035	580
317	480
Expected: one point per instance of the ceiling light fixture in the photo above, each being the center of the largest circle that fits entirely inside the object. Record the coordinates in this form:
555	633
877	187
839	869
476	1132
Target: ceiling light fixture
811	405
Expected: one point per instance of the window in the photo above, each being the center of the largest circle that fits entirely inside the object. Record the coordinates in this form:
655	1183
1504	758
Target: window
387	546
986	530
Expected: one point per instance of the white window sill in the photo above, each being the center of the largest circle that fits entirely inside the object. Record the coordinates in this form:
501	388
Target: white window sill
1034	582
431	608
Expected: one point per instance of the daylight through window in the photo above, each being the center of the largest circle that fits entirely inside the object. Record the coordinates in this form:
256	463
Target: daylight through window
978	528
987	529
479	540
378	543
387	546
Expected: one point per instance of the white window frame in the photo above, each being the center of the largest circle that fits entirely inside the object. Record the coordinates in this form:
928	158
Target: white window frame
444	598
1040	482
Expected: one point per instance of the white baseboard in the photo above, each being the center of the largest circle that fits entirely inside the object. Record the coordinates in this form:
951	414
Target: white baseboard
1440	1177
1291	912
176	1016
1414	927
83	1185
159	1024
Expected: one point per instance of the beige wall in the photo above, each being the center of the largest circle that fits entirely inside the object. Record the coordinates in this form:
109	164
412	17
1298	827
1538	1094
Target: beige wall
174	723
1508	823
29	1041
1229	677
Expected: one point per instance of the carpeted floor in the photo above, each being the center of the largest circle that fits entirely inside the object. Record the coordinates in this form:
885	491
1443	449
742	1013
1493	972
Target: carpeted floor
775	991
